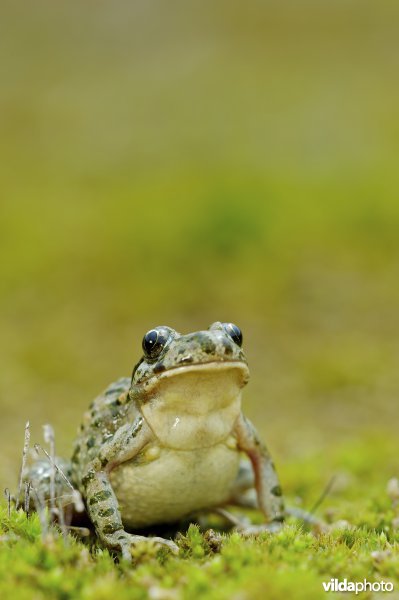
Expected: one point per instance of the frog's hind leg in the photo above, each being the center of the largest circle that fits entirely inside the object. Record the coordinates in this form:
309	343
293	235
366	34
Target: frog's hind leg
49	486
244	495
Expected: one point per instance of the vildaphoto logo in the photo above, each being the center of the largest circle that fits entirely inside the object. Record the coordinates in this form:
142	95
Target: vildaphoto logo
335	585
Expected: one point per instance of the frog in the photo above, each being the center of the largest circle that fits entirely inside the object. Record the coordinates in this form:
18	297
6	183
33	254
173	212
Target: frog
172	441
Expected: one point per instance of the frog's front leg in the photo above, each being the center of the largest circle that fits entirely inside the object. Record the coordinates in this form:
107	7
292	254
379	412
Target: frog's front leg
102	504
267	485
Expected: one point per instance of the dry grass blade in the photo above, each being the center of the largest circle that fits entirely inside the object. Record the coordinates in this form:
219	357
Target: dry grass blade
48	434
23	465
57	468
28	487
323	495
8	498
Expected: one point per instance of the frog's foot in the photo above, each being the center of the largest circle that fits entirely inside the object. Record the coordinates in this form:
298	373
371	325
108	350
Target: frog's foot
244	526
123	541
307	517
254	530
174	548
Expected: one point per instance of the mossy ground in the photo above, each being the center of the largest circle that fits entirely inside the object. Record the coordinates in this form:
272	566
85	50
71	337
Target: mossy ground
360	541
292	563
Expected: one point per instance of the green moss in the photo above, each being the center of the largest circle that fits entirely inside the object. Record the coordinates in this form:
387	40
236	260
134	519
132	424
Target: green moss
362	541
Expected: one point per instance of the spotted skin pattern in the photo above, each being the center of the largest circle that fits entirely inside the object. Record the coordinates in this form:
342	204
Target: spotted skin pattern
171	440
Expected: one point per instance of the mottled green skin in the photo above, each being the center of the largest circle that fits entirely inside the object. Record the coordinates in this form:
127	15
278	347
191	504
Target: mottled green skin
169	441
106	414
195	348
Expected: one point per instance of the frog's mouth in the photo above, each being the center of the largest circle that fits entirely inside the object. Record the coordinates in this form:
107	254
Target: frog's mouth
240	369
194	406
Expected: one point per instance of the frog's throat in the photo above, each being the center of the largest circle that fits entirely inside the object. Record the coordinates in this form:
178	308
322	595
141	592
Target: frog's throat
143	390
195	406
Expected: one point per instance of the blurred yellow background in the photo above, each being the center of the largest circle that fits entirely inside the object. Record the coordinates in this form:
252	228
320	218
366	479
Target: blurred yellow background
184	162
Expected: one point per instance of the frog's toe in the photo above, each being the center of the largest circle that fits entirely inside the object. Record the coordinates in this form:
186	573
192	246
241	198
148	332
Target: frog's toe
126	551
120	541
174	548
125	542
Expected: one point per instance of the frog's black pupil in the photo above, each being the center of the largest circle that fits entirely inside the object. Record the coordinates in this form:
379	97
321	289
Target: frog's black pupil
234	332
150	342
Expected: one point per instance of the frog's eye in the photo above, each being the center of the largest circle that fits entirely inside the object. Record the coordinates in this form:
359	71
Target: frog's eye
234	332
154	342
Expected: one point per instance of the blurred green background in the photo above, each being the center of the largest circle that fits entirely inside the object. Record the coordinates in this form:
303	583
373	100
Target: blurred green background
180	163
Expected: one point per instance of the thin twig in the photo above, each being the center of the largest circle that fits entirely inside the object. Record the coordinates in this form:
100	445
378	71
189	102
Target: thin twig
57	468
28	486
23	465
48	434
325	493
8	498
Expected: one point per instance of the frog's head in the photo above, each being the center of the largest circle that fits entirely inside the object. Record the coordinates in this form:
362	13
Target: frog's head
189	387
